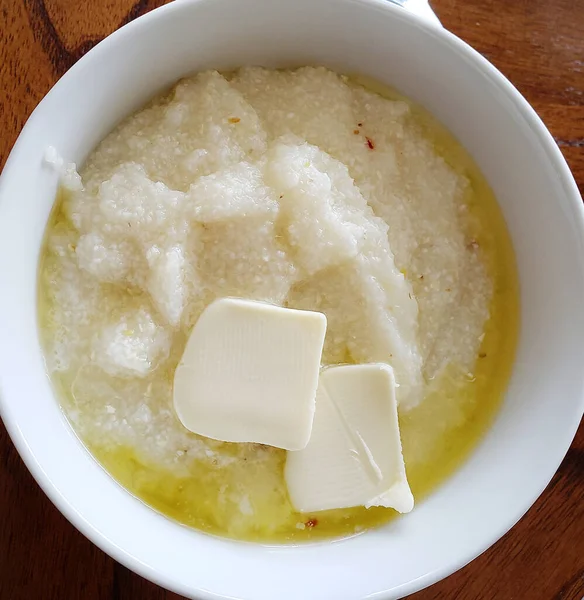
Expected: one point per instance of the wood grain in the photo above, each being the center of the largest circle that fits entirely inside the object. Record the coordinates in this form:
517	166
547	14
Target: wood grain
539	45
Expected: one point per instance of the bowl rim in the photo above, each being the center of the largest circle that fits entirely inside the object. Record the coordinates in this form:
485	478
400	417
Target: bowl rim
553	155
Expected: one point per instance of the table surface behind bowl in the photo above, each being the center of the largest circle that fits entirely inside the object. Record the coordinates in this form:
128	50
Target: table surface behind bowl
539	45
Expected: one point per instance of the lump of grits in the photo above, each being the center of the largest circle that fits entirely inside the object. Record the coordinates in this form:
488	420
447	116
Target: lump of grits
300	188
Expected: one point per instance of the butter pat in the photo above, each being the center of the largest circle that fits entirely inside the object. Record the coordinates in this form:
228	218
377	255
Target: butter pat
354	457
249	373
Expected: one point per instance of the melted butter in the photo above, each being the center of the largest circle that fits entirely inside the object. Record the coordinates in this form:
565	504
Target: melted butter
247	499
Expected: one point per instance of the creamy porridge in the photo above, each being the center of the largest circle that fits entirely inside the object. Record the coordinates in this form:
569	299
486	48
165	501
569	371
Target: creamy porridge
304	189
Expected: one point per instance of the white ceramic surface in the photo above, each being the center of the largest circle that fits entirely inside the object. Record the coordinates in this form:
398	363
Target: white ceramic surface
544	213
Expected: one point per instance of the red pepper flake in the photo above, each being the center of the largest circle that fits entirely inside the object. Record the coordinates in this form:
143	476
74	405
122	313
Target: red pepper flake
356	131
370	143
311	523
234	119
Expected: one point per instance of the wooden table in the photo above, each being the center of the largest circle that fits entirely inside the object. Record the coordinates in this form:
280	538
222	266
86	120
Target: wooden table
539	45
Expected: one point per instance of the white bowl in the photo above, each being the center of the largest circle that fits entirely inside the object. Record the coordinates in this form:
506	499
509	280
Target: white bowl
543	209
